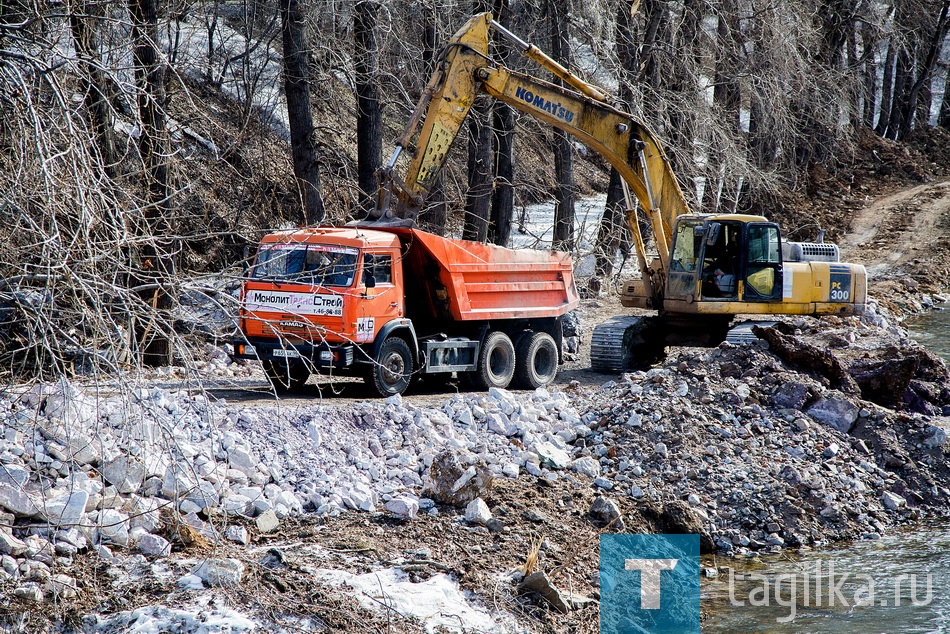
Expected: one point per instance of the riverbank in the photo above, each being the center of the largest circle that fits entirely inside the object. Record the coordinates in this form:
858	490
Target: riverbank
141	506
134	503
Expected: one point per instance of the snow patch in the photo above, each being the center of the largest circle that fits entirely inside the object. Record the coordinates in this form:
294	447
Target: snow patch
437	602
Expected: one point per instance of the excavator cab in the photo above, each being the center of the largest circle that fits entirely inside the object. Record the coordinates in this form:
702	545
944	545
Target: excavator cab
725	259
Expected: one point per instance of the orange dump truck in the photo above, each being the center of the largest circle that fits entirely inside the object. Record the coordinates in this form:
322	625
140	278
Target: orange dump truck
390	303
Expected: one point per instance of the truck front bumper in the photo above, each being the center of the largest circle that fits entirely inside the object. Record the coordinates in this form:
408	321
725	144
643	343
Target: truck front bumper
323	355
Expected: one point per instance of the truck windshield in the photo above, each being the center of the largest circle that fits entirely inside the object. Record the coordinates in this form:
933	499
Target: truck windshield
313	264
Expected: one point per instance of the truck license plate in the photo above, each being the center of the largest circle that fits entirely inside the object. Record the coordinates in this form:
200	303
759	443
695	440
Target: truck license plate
293	354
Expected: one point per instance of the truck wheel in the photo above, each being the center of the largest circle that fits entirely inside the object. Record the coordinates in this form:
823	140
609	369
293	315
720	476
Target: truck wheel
392	370
284	377
496	362
535	360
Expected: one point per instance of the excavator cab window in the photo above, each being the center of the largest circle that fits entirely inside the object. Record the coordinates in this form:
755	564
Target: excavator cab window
688	239
763	268
687	245
721	261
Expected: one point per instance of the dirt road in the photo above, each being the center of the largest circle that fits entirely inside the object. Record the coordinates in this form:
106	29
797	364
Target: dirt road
898	229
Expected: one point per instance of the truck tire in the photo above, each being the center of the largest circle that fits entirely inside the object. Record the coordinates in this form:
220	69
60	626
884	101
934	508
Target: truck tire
496	362
535	360
286	377
391	371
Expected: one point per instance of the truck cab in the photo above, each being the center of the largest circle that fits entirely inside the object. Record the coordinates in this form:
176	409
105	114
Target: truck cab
314	297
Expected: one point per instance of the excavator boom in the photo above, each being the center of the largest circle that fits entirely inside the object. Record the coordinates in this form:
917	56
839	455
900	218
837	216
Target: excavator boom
585	111
708	268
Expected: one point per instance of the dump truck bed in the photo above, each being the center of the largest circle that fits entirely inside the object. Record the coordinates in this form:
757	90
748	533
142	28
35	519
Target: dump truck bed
467	281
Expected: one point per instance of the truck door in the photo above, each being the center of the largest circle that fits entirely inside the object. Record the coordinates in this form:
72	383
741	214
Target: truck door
381	299
762	269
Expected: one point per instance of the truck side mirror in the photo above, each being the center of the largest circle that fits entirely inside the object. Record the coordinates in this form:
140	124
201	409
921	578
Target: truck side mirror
369	280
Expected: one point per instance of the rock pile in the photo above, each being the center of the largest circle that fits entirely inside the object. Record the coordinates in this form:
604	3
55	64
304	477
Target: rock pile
728	442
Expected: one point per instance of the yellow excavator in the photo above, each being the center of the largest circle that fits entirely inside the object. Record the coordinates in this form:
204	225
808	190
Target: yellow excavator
707	268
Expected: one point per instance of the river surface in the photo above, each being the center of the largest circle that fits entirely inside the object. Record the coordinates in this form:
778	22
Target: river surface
899	584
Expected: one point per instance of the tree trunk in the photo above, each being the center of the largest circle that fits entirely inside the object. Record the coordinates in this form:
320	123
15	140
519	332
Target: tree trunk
901	96
433	214
503	192
926	70
157	261
297	93
563	150
478	196
870	76
369	118
613	220
726	94
608	234
86	41
887	89
943	118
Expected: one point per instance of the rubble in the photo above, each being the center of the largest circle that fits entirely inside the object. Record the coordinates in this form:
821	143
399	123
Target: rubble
732	443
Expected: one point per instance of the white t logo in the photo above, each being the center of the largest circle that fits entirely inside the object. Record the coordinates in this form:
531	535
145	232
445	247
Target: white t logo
650	579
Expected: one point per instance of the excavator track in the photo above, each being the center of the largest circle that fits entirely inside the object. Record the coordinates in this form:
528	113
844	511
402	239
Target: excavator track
625	343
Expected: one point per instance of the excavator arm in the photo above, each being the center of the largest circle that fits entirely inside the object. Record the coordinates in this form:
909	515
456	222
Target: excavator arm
583	110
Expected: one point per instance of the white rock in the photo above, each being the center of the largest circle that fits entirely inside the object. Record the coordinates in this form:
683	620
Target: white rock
552	456
113	527
937	437
125	472
241	459
237	534
510	470
586	466
477	512
10	545
16	500
236	505
267	522
153	545
403	507
220	572
14	475
29	591
892	501
62	587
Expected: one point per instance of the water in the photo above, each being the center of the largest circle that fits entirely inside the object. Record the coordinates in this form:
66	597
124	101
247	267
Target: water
900	583
905	587
932	330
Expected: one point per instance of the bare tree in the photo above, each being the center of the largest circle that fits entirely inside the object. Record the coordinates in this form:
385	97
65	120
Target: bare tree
369	116
557	11
297	93
503	117
157	259
478	196
83	22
